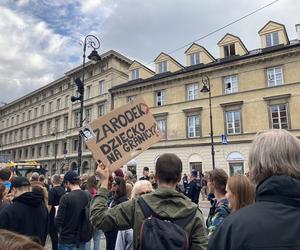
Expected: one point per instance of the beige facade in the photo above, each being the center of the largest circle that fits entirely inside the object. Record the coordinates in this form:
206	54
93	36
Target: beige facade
251	91
33	127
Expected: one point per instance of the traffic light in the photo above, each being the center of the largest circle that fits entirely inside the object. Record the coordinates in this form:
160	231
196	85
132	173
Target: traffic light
79	84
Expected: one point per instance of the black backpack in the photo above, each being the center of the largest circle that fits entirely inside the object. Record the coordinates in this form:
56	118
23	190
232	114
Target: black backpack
163	234
85	229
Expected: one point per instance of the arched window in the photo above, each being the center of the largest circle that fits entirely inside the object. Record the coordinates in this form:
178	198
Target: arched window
236	163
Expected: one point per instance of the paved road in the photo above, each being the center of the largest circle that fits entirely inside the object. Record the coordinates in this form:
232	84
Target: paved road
204	206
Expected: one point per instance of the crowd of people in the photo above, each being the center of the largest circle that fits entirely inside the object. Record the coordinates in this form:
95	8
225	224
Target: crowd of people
161	210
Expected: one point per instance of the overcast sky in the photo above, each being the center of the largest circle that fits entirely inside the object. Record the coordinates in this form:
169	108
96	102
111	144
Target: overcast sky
40	39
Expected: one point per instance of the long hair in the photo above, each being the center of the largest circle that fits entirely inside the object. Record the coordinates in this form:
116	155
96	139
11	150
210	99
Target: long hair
15	241
121	190
274	152
242	190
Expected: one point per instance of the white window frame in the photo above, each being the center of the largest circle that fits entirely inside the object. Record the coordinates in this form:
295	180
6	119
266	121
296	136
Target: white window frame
101	87
89	92
272	39
279	117
194	58
162	66
233	81
192	91
88	114
101	110
227	48
58	104
160	98
275	76
67	97
193	121
231	125
162	125
135	74
49	107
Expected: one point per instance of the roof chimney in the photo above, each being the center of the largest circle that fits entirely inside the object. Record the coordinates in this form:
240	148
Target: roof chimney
298	31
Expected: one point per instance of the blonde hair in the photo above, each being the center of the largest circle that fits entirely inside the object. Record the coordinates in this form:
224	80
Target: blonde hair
242	190
136	190
15	241
274	152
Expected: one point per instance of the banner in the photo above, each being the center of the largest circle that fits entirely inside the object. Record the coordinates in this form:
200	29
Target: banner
121	135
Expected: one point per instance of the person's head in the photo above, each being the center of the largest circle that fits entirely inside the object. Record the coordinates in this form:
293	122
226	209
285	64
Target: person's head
2	191
56	181
128	176
146	171
91	183
193	175
140	188
152	178
15	241
42	178
5	174
119	187
35	176
19	185
84	178
71	180
217	180
239	192
274	152
168	169
119	173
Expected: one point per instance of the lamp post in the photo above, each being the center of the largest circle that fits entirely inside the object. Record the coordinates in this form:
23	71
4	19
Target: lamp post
89	41
207	88
54	133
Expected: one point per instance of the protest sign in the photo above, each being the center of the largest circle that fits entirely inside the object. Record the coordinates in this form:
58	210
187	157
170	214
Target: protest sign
121	135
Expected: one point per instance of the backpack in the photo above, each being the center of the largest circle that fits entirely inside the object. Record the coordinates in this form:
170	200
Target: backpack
159	233
85	229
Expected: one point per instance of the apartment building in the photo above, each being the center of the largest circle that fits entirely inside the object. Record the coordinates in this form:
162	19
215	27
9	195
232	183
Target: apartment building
251	91
43	125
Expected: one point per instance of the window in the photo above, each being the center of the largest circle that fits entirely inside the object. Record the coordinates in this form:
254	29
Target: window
279	116
233	122
131	98
272	39
29	115
162	125
58	104
76	119
229	50
230	84
47	150
35	112
65	148
27	133
23	117
67	101
40	151
48	127
75	145
49	107
88	115
26	153
160	98
196	166
162	67
42	109
33	130
41	129
101	110
12	121
236	168
66	118
192	91
57	124
17	119
135	74
21	134
55	148
275	76
101	87
89	92
193	126
195	58
32	152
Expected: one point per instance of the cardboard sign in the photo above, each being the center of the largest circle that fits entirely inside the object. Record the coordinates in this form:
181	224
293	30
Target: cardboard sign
121	135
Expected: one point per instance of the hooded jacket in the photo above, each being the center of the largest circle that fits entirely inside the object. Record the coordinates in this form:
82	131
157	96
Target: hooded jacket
27	215
270	223
167	203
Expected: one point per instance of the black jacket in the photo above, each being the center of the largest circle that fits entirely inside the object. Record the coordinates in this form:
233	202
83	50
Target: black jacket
271	223
193	191
27	215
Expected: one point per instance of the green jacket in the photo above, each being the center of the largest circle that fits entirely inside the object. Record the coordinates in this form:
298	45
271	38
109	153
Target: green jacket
167	203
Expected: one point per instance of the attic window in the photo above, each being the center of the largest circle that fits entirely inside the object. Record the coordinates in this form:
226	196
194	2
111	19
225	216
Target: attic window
272	39
135	74
229	50
195	58
162	67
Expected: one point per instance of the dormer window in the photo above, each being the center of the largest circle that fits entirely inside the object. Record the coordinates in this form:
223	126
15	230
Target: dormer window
162	67
135	74
229	50
272	39
195	58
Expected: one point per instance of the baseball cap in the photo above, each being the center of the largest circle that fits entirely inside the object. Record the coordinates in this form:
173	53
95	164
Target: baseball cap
71	176
19	181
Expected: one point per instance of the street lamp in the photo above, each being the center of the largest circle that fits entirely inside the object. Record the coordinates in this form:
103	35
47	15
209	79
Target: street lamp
90	41
207	88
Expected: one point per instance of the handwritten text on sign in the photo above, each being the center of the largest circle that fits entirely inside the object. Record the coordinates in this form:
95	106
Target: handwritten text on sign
122	134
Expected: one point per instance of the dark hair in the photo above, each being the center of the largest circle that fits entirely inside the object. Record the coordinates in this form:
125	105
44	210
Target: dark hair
91	183
42	178
75	181
168	168
2	190
219	177
15	241
121	190
5	174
